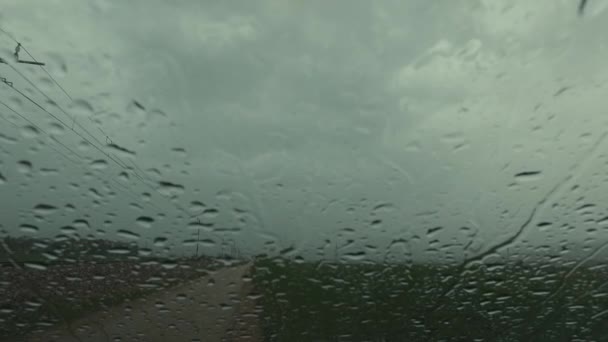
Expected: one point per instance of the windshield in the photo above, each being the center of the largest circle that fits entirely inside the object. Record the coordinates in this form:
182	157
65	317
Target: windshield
303	170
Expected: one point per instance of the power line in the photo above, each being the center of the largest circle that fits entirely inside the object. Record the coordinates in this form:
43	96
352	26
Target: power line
9	121
60	121
114	159
39	128
121	186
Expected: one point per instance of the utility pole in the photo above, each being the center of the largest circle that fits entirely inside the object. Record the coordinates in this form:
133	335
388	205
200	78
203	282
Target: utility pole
198	235
336	250
18	60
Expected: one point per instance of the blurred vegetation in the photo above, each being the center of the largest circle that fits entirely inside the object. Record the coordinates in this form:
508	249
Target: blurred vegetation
305	301
49	281
65	249
506	300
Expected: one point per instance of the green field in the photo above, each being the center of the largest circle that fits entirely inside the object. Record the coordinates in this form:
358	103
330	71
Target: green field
381	302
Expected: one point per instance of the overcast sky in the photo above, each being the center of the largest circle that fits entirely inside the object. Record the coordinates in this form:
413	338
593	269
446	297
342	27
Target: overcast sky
306	121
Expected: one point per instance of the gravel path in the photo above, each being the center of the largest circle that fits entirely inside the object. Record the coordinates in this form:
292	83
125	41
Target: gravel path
201	310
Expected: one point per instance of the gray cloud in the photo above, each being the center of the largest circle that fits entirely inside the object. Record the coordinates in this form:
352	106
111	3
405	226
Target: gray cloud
302	110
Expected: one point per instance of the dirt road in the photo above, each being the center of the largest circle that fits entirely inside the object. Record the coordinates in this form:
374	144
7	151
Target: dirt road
202	310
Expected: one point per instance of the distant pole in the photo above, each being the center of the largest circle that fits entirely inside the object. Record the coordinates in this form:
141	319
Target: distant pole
198	235
336	250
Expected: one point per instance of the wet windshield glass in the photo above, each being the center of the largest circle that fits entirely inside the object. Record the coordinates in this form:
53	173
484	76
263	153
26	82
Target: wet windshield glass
303	170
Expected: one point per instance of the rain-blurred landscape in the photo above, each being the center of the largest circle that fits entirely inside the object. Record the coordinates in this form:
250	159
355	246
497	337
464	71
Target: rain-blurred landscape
303	170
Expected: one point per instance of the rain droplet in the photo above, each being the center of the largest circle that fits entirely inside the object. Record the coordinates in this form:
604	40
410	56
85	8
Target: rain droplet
128	234
210	213
35	266
95	194
467	231
189	242
154	173
48	172
2	179
170	189
207	243
160	241
544	225
157	113
144	251
180	151
123	176
433	230
585	209
355	256
7	139
118	251
121	150
28	228
169	265
68	230
196	206
136	206
528	175
205	226
56	128
138	105
24	166
383	207
81	224
44	209
99	164
145	221
30	131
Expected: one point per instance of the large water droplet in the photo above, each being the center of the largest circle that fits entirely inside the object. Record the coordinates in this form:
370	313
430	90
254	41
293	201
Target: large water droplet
154	173
24	166
81	224
528	176
56	128
48	172
7	139
99	164
119	250
432	231
210	213
200	225
180	151
170	189
123	176
122	151
383	207
127	234
35	266
28	228
160	241
197	206
68	230
44	209
29	131
376	224
354	256
145	221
